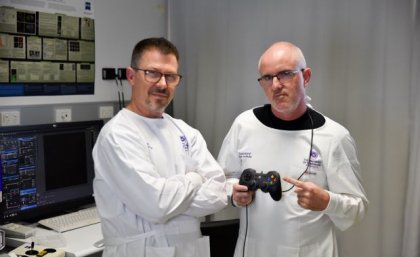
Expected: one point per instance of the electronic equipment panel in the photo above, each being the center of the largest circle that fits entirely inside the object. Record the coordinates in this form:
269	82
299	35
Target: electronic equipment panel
46	169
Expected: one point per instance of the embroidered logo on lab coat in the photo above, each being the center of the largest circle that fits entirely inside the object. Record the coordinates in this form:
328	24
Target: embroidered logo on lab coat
245	155
184	143
316	161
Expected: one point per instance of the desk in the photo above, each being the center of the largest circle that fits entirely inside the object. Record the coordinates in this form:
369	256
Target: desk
79	242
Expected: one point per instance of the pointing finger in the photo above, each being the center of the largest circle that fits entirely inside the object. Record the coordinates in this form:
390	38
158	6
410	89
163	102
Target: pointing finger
293	181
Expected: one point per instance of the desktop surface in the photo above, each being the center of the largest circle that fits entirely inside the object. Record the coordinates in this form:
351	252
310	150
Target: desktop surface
76	243
81	242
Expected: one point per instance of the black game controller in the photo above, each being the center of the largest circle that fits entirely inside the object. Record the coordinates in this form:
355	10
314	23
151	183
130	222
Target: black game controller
269	182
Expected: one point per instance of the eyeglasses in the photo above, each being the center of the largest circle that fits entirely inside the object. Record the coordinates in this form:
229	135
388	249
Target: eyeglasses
153	76
283	77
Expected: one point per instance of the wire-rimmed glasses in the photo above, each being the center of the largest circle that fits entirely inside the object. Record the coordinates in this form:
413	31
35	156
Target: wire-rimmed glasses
283	76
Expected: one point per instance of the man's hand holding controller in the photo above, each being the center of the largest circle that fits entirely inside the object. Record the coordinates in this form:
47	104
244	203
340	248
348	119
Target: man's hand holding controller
241	196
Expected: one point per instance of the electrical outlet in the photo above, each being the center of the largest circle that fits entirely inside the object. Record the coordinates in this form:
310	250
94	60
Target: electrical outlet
106	112
10	118
121	73
62	115
108	73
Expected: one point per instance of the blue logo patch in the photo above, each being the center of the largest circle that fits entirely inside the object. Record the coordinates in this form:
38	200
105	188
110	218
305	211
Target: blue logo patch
316	162
184	143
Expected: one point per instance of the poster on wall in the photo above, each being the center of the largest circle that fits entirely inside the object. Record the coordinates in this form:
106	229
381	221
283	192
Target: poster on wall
47	47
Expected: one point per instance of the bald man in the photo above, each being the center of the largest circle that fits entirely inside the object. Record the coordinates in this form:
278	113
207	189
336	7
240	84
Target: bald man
314	155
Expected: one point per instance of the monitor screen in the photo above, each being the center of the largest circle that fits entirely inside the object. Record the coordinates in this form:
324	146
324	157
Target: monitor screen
46	169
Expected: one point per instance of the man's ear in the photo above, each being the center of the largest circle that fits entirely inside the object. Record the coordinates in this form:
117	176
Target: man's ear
130	73
307	73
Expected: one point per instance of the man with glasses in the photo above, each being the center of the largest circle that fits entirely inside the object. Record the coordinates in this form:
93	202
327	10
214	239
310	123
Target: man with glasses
314	155
154	176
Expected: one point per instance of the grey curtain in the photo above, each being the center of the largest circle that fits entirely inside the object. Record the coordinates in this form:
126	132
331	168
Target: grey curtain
364	73
411	235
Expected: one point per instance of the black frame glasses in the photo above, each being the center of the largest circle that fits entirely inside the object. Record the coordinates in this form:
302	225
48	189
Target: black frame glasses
282	76
154	76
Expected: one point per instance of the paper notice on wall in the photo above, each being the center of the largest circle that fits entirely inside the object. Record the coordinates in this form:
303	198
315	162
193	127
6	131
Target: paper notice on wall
79	8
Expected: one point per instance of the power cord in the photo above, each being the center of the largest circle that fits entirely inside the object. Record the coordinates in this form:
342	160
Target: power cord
120	89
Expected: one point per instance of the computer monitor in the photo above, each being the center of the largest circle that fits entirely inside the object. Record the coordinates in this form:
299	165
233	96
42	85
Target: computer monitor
46	169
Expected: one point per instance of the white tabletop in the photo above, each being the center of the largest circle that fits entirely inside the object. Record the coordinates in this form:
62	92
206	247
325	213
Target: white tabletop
77	243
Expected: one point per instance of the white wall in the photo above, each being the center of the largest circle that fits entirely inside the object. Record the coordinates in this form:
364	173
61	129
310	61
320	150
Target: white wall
119	26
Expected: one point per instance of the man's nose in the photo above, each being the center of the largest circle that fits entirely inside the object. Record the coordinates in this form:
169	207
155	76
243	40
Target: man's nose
162	82
276	83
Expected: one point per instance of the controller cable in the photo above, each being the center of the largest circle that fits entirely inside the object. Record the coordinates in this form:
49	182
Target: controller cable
246	230
300	176
310	152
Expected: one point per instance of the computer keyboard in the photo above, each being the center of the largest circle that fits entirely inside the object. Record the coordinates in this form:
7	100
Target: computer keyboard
74	220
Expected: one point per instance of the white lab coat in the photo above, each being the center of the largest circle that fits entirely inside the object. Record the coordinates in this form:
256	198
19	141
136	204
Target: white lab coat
153	179
283	228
